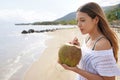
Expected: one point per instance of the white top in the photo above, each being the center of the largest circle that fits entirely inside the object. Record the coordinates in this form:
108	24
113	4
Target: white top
100	62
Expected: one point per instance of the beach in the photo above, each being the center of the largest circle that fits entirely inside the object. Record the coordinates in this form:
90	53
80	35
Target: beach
47	67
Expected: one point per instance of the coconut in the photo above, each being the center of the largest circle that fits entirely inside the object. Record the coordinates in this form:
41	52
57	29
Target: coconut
69	54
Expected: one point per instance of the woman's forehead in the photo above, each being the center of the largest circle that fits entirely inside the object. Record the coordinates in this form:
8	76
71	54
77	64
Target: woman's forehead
81	15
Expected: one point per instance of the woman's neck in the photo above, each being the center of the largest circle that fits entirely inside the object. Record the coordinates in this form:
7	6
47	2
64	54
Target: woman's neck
95	34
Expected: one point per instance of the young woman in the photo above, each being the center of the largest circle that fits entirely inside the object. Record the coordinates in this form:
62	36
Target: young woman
100	49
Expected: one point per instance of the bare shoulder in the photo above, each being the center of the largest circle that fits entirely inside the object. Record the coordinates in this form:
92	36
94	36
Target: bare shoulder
103	44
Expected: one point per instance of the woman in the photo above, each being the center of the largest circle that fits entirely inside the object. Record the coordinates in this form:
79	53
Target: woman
100	49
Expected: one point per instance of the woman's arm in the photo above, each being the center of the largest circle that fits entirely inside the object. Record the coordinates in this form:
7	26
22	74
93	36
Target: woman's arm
88	75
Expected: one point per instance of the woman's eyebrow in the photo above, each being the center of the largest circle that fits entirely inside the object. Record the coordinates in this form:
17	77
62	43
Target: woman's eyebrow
82	18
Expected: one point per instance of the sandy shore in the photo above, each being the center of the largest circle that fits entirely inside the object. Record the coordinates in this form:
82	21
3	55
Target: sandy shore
47	68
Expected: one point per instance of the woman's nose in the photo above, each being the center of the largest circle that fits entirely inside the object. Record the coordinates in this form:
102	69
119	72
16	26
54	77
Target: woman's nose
79	24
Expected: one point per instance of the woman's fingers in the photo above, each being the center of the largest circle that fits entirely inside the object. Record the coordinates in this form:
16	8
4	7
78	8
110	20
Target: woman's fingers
66	67
75	41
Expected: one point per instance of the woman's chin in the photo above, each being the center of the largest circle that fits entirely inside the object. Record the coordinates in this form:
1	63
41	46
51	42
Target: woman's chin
83	32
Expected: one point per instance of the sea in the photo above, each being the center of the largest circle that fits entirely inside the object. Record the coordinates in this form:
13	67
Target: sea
18	51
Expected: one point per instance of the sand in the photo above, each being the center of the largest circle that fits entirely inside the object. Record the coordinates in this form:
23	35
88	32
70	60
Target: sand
47	67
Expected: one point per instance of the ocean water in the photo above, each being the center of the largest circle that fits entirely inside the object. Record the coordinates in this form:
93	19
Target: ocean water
18	51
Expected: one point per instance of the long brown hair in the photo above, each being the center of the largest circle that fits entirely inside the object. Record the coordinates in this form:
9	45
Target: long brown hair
93	10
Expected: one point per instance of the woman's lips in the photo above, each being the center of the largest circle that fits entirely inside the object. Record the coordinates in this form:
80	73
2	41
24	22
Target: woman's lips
81	29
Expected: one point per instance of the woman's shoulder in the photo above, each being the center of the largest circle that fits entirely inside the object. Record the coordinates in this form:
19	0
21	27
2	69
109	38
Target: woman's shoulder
103	44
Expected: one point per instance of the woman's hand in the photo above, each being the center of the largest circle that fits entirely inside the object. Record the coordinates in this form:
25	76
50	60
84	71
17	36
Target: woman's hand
74	69
75	41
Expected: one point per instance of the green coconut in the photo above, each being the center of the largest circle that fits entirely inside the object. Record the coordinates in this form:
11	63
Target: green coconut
69	54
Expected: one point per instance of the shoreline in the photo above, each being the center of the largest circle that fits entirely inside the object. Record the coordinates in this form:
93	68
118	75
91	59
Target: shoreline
46	67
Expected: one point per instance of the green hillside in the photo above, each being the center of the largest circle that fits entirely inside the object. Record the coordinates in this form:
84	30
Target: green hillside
112	13
107	10
67	17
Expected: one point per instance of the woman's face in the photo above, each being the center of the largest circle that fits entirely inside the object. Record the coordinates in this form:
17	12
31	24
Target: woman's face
85	23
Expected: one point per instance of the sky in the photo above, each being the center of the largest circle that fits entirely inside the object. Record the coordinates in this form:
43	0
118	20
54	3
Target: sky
25	11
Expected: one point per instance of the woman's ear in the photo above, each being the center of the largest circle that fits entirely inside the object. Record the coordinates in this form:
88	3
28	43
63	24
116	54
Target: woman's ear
96	19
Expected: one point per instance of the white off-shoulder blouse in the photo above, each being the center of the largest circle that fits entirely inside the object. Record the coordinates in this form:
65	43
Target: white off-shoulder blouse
100	62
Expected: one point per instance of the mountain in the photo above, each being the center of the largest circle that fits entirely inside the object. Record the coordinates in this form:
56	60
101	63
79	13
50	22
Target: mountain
72	15
67	17
109	8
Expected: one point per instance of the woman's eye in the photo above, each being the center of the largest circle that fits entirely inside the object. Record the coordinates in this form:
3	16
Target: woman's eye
82	20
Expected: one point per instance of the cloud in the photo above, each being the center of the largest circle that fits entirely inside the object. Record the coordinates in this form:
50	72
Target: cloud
78	3
109	2
19	15
44	12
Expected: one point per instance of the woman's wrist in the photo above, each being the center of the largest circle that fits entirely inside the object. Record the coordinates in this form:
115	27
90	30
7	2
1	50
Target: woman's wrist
76	69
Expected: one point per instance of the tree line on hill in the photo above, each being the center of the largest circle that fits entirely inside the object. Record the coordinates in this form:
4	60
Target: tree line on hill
63	22
112	14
